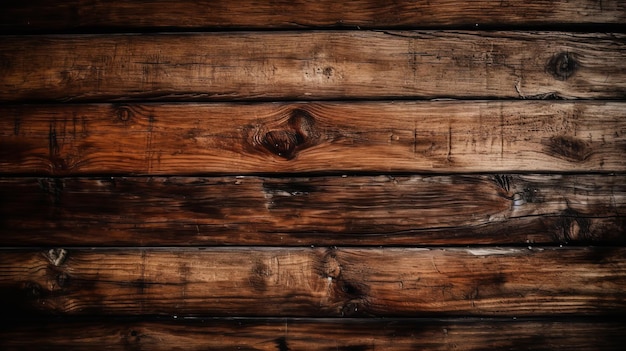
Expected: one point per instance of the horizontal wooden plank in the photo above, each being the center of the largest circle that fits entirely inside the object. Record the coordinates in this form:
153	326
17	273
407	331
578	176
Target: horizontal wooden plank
311	282
184	139
313	65
312	334
351	210
128	14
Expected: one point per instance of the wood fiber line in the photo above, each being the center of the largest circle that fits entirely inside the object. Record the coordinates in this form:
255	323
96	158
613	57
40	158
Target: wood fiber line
313	65
353	210
316	282
227	138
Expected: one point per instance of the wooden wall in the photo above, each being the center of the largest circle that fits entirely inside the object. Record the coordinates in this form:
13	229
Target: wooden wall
313	175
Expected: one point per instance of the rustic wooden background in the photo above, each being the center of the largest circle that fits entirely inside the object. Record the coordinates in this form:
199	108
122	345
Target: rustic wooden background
313	175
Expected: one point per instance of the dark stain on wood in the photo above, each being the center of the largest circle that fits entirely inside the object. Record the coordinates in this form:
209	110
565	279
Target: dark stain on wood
568	147
281	344
53	187
562	65
22	300
602	255
258	276
13	151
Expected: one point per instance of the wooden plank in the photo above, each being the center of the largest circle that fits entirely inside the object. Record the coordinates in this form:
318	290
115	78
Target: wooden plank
443	136
78	14
354	210
316	282
313	65
316	334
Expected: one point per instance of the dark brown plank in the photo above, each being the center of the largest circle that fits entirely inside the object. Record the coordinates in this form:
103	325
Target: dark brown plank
354	210
316	282
314	334
183	139
192	14
313	65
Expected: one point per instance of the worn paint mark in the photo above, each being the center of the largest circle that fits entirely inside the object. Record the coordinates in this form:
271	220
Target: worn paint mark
56	256
493	251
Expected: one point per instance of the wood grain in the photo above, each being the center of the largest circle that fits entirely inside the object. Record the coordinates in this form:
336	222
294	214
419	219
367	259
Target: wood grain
227	138
315	282
317	334
334	210
313	65
166	14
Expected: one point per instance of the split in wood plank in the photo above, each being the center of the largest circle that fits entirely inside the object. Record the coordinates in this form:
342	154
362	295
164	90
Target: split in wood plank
316	334
401	136
193	14
313	65
334	210
316	282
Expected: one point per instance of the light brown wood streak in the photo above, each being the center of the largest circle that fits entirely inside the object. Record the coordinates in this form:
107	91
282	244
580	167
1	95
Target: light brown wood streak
317	334
317	282
357	210
313	65
191	14
184	139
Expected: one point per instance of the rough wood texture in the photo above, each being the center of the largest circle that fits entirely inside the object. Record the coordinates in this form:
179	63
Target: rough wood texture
192	14
316	282
318	334
313	65
353	210
183	139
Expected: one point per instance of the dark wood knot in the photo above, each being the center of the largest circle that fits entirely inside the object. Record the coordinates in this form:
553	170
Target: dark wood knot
292	136
562	65
124	114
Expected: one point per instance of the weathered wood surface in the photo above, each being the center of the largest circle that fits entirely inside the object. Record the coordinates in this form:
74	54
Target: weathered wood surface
316	282
317	334
313	65
352	210
183	139
194	14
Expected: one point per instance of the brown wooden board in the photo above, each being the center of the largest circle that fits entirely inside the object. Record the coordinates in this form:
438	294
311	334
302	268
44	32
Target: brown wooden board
333	210
46	15
313	65
317	334
237	138
316	282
